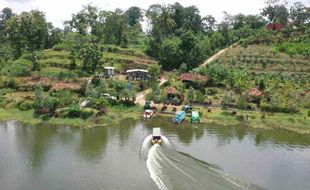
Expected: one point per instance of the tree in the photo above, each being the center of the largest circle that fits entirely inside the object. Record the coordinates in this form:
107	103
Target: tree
299	14
85	21
191	94
5	15
208	24
275	12
27	32
35	63
133	15
116	29
72	56
154	70
90	58
56	36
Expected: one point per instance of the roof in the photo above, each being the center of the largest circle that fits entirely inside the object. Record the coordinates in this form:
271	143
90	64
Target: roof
192	77
172	90
137	70
108	67
195	113
156	132
275	26
255	92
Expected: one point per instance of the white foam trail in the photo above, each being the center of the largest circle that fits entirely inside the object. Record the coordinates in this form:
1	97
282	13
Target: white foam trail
155	168
183	172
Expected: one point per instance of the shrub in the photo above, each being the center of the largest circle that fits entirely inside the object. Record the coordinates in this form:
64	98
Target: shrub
19	68
59	47
200	97
212	91
25	105
10	83
279	108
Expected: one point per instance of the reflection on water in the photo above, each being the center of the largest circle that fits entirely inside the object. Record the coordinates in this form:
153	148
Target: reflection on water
51	157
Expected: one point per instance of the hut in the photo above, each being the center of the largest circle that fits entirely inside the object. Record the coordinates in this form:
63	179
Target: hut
255	92
191	79
275	26
137	74
108	72
172	94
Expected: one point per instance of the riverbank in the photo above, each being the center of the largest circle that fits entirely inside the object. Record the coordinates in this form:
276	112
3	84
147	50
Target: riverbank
114	116
299	123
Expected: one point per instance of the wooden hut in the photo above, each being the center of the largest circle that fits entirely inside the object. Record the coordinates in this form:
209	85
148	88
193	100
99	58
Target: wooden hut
108	72
137	74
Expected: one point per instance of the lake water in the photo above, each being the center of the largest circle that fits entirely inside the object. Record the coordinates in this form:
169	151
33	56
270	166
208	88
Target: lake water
114	157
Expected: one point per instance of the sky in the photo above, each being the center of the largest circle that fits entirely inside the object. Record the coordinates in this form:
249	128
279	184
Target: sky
58	11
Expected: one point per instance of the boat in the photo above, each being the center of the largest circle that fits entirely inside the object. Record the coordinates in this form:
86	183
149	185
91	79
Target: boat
195	118
148	114
180	116
156	136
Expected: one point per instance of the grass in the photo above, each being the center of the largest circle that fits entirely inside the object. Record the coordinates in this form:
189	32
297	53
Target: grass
114	116
294	122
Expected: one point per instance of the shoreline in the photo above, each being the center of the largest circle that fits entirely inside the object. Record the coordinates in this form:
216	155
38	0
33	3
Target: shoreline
291	122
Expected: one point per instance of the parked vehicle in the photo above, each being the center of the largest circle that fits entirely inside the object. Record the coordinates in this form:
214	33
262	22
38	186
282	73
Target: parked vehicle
180	116
187	108
148	114
195	118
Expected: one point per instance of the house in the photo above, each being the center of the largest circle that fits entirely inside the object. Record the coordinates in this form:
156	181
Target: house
193	79
255	92
137	74
275	26
172	93
108	72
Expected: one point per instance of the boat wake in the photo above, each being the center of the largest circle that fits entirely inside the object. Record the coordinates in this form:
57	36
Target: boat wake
170	169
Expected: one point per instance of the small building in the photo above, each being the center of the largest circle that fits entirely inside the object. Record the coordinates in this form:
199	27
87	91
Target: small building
275	26
108	72
137	74
255	92
193	79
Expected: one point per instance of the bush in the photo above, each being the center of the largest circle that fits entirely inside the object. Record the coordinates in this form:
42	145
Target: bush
200	97
65	97
59	47
24	105
10	83
19	68
212	91
279	108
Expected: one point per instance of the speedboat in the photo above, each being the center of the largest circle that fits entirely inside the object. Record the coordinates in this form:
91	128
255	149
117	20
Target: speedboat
148	114
156	136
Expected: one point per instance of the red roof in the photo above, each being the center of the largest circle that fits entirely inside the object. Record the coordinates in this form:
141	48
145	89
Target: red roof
255	92
275	26
172	90
192	77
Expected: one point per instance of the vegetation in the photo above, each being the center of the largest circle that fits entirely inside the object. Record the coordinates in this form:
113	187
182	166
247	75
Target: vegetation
58	74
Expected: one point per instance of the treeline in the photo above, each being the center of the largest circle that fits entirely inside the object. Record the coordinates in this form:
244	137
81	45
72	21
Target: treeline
178	36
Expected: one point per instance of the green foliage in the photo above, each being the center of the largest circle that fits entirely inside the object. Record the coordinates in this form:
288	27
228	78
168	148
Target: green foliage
43	104
18	68
200	97
154	70
90	58
27	32
294	48
25	105
74	111
191	94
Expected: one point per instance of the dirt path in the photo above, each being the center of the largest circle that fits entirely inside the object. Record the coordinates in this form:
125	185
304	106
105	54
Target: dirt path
140	99
215	56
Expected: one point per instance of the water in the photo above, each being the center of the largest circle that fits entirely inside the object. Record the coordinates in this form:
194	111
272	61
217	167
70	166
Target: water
115	157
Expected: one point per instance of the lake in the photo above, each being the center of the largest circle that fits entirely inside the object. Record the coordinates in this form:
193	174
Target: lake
200	156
